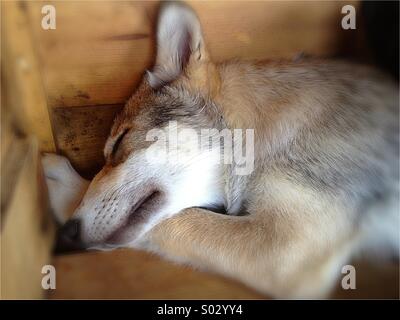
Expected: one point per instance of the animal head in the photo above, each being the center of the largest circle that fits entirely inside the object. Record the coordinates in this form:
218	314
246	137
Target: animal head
154	166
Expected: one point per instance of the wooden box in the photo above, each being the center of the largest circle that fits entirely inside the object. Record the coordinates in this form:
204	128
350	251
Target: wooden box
64	86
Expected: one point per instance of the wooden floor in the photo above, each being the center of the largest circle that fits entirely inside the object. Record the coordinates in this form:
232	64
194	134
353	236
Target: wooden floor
130	274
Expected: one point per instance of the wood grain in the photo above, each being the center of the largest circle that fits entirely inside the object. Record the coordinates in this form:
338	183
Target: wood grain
98	51
27	230
22	75
81	135
130	274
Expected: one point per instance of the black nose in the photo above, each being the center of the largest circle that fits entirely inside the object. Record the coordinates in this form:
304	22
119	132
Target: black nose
69	237
70	229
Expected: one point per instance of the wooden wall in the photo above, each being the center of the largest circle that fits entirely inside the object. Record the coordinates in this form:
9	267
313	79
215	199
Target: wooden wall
96	56
64	87
26	227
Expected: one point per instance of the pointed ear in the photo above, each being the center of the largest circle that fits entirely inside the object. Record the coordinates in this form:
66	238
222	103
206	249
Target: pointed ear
179	41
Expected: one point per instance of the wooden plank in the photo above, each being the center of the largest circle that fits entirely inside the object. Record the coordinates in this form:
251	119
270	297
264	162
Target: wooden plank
131	274
10	167
27	231
97	53
81	135
22	79
100	49
9	132
271	29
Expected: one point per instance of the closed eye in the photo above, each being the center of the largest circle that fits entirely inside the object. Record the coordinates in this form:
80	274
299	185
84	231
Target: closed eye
118	142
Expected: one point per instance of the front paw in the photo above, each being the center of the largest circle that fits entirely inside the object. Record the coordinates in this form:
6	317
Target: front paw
65	186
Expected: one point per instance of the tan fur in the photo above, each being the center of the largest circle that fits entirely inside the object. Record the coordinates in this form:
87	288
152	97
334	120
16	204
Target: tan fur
282	248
